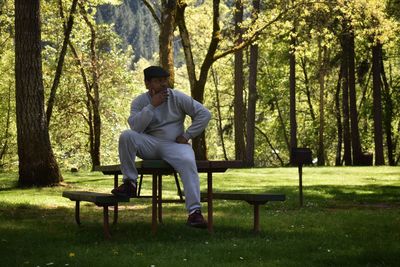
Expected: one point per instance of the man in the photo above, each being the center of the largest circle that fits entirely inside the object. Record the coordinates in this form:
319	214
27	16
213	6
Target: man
157	132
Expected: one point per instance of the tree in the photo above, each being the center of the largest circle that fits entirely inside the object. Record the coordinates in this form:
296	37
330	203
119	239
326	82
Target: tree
37	165
239	114
253	95
377	103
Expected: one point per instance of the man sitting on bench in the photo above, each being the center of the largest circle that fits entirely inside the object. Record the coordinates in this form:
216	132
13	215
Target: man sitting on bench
157	132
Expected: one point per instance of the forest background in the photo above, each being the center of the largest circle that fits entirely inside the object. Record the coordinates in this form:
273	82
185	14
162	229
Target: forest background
275	75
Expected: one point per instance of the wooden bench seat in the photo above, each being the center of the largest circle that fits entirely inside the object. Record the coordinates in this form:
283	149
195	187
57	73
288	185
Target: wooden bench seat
100	199
253	199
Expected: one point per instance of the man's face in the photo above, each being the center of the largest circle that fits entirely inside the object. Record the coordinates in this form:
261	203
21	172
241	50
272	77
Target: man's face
157	84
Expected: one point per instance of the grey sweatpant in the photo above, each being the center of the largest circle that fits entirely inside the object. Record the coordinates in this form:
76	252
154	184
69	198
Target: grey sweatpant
179	156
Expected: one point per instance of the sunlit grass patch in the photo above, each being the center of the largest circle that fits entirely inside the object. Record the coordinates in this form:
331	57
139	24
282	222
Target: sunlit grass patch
349	218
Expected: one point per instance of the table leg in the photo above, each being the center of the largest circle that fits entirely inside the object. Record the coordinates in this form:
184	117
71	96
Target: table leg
115	214
301	184
77	212
106	224
210	203
154	205
160	198
256	217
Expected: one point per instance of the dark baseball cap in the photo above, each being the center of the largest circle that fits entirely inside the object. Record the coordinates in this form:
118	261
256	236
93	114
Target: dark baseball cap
154	72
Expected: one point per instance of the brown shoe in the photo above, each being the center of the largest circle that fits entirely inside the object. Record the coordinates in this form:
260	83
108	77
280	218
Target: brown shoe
196	220
127	189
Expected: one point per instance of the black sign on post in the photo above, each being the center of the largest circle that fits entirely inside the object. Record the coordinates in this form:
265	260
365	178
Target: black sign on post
300	156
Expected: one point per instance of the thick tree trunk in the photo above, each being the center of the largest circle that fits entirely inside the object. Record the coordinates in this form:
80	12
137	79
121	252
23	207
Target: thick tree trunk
167	27
239	117
253	96
377	104
37	165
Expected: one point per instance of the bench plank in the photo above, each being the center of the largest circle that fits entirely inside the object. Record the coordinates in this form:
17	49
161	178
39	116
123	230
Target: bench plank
253	199
97	198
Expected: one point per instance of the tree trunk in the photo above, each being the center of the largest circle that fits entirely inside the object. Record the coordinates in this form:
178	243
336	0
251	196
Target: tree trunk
377	103
338	158
355	136
239	87
388	115
307	87
345	104
167	27
60	63
197	86
37	164
219	118
252	100
322	54
93	99
292	94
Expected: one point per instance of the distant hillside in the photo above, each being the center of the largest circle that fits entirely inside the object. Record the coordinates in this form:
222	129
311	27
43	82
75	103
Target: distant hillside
135	24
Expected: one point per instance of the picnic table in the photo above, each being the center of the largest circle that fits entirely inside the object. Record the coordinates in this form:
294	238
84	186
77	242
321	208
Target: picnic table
158	168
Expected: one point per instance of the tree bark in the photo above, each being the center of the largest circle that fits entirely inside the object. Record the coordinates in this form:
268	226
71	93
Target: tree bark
322	54
355	135
338	157
388	114
37	164
345	106
165	40
377	103
239	118
253	96
292	94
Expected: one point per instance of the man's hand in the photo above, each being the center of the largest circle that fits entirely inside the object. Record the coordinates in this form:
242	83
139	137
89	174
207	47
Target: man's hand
181	140
158	98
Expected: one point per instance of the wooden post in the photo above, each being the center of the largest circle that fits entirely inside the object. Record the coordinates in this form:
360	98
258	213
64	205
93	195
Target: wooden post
106	225
256	217
301	184
77	212
159	198
154	205
210	202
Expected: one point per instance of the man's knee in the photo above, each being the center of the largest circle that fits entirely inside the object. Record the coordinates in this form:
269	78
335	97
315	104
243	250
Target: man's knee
127	136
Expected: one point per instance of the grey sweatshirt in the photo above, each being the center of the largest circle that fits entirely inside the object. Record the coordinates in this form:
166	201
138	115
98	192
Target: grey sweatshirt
167	120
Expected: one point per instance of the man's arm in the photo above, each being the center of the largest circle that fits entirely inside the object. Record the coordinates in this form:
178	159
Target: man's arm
141	115
199	114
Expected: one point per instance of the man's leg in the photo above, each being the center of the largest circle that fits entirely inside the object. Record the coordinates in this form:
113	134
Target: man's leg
130	144
181	158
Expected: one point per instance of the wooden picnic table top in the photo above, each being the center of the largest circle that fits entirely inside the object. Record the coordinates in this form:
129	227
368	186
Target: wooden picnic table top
160	166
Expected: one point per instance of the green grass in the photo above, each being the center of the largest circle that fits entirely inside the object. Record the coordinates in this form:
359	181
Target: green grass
351	217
